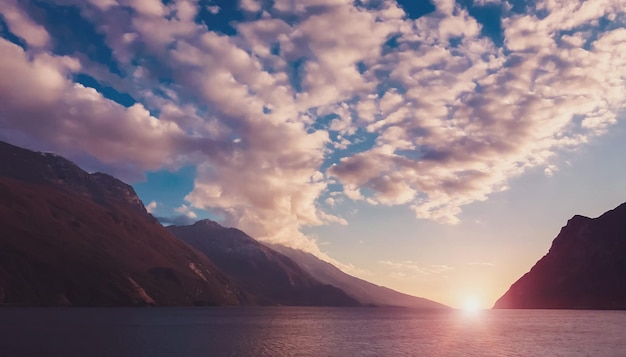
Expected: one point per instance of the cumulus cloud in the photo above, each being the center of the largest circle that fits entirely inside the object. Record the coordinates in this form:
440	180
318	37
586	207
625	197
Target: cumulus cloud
22	25
285	118
478	117
104	5
40	107
151	207
177	220
186	211
214	9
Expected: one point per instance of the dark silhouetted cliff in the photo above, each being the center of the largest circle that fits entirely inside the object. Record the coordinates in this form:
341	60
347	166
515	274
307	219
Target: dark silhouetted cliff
584	269
68	237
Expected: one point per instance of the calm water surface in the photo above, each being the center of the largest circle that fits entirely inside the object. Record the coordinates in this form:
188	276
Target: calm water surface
291	331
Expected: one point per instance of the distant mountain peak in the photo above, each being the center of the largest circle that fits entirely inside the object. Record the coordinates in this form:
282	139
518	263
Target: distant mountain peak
48	168
207	223
577	219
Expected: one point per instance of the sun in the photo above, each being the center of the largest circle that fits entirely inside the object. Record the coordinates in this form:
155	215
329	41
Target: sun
471	305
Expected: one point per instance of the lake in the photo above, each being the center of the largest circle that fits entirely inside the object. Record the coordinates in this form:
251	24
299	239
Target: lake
297	331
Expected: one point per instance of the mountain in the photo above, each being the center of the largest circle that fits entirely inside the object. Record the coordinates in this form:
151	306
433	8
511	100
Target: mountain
68	237
585	268
365	292
271	277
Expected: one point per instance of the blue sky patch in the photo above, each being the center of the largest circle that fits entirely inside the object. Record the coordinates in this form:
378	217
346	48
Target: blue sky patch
417	8
296	73
7	34
361	141
167	188
108	92
223	21
71	32
490	18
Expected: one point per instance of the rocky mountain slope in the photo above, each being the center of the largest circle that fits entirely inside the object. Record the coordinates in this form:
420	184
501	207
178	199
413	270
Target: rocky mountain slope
271	277
68	237
363	291
584	269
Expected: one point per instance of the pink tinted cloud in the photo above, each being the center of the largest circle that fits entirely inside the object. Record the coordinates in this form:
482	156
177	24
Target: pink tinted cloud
455	124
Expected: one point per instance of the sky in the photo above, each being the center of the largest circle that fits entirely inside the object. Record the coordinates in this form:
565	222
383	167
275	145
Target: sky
435	147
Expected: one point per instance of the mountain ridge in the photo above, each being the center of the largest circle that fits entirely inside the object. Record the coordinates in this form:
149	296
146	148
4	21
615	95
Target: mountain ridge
269	275
57	171
365	292
68	237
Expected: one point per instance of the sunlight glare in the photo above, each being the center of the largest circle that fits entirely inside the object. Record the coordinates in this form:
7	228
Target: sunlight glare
471	305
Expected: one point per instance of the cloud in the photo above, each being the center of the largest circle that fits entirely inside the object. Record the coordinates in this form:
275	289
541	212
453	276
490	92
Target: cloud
152	8
151	207
104	5
214	9
550	170
487	2
408	267
250	5
283	120
23	26
482	117
41	108
186	211
487	264
178	220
